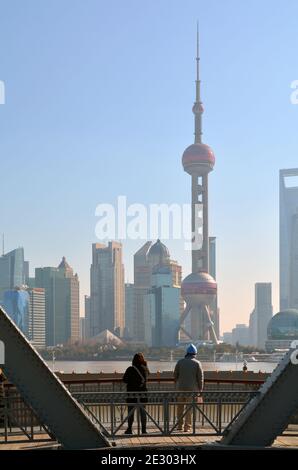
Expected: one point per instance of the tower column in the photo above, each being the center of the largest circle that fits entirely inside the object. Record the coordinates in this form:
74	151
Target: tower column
199	224
205	225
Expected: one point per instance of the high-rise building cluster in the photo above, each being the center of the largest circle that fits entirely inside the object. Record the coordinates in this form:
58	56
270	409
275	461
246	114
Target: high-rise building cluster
45	307
148	311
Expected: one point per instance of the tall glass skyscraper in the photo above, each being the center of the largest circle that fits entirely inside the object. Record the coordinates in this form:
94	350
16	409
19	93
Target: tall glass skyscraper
26	307
162	309
288	229
13	270
16	304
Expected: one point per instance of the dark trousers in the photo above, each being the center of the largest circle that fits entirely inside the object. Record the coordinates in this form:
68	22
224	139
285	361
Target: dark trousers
131	412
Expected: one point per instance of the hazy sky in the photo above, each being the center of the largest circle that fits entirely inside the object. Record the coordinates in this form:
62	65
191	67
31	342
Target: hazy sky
98	104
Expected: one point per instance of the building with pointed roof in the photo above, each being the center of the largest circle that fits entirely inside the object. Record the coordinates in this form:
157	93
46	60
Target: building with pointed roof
62	301
106	338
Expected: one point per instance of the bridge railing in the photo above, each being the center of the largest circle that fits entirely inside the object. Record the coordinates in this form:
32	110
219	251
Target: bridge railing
19	422
161	384
211	414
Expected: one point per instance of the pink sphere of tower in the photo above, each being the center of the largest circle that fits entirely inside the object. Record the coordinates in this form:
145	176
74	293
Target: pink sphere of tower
198	159
199	288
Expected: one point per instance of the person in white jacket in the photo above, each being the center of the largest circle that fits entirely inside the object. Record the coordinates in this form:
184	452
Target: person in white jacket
189	377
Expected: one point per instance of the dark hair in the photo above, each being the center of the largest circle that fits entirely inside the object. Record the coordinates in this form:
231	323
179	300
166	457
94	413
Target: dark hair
139	360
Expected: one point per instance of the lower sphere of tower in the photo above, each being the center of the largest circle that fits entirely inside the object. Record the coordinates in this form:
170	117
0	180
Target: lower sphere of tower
199	288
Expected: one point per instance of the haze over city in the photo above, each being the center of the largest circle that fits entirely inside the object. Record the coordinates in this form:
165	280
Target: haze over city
89	117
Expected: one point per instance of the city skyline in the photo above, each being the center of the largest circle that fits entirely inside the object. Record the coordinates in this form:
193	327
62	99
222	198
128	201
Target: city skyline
87	118
145	249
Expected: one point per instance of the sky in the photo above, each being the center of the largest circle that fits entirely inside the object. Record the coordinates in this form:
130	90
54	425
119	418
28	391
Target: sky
98	99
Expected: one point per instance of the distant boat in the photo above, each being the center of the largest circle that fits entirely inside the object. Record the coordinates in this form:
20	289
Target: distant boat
251	359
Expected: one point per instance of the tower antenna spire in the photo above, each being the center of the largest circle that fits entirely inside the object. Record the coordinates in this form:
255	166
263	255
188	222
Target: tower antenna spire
198	57
197	107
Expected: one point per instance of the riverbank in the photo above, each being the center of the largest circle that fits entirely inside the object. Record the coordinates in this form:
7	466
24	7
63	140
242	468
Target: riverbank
154	366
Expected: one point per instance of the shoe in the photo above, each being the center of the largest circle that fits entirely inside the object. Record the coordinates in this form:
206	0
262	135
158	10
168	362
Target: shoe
187	429
128	431
144	432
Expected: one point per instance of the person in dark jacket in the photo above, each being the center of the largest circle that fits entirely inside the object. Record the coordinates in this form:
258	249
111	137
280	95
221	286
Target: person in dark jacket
135	378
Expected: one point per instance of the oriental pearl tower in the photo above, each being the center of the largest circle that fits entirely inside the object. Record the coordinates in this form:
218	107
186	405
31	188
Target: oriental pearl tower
199	289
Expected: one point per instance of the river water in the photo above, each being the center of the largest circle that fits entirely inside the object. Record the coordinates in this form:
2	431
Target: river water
154	366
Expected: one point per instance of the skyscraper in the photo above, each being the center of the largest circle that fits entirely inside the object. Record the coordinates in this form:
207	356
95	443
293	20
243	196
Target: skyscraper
26	307
37	317
146	259
87	316
261	315
199	289
13	270
61	287
16	304
82	329
162	309
240	335
142	280
107	296
288	238
130	309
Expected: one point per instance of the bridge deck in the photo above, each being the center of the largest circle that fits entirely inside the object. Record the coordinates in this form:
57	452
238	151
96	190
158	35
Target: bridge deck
288	440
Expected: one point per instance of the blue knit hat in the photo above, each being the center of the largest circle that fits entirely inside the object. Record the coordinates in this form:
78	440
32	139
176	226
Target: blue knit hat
191	349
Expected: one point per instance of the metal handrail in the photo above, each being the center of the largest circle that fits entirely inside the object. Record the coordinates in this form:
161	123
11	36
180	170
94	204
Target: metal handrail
211	417
108	410
153	380
16	418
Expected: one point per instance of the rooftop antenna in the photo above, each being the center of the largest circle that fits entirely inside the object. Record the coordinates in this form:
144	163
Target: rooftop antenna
198	107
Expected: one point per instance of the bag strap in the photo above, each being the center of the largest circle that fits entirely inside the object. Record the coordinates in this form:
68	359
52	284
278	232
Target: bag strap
141	375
